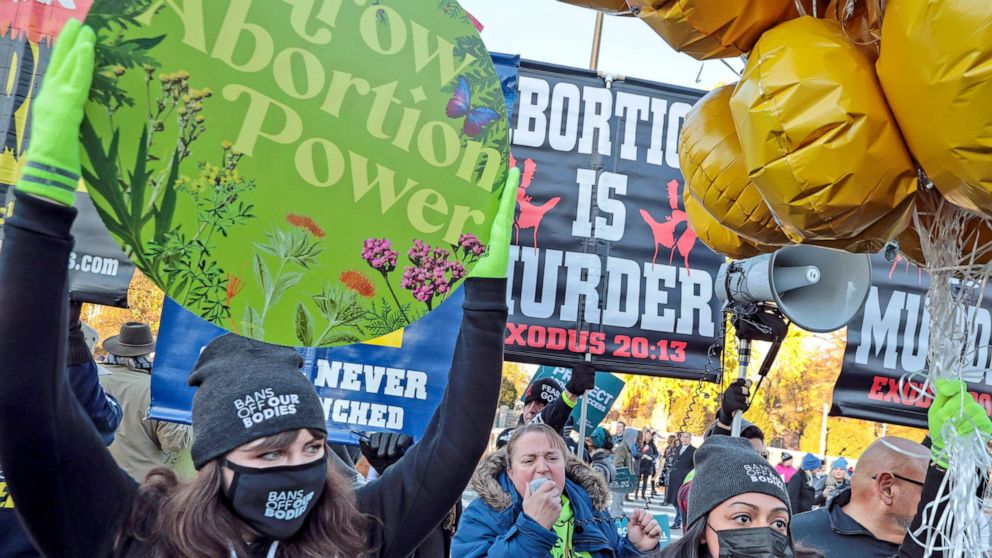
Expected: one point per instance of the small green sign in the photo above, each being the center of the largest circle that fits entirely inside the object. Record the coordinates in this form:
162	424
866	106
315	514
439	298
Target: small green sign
625	481
307	173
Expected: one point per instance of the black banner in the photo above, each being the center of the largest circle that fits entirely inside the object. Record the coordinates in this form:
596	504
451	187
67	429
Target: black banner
99	272
888	339
603	260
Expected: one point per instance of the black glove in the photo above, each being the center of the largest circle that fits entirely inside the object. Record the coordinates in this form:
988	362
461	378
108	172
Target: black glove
735	398
382	449
583	379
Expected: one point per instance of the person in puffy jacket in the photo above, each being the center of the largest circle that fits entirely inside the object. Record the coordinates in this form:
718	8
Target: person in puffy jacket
599	454
564	516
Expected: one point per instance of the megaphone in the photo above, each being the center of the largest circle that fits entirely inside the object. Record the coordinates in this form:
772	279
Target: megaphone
817	289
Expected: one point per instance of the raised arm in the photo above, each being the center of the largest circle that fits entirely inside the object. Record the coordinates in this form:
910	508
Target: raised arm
69	493
954	407
556	414
416	494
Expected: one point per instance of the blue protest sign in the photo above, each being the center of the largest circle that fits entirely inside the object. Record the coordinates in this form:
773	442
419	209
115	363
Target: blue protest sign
666	531
389	385
601	398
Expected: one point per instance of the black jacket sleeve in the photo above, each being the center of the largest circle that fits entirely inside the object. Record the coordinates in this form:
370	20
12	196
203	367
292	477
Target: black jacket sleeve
554	415
910	548
416	494
794	487
69	492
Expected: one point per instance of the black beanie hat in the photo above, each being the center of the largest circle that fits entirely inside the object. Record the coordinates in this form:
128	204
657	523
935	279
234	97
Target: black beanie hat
248	390
545	390
726	467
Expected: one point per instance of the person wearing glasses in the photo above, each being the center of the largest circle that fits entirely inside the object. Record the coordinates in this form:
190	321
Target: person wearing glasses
871	518
895	482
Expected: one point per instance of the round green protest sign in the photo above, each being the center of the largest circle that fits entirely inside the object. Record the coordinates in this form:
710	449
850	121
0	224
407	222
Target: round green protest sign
304	172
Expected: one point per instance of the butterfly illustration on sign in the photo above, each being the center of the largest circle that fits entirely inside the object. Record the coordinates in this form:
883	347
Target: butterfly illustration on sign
460	106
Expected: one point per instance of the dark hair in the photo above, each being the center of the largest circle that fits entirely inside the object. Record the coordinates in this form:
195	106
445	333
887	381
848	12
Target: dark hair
192	519
690	547
753	433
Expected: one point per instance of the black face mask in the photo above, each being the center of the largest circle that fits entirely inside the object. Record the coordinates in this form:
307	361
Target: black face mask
276	501
754	542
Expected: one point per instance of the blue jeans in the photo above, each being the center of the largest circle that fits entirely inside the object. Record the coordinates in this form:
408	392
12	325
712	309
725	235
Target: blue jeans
678	518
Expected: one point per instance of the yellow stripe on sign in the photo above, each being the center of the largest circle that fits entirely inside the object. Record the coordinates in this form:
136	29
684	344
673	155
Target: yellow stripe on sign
393	340
6	502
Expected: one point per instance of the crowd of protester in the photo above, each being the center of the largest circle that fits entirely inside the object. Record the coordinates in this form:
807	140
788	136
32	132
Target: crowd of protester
86	473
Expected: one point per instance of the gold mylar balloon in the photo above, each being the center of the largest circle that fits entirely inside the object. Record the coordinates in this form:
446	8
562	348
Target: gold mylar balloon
719	238
706	29
819	141
936	70
713	167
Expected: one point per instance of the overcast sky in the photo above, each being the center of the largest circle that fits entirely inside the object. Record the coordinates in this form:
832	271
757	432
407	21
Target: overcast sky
551	31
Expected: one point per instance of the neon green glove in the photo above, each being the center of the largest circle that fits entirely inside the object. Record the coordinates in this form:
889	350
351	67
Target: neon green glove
952	403
497	257
53	166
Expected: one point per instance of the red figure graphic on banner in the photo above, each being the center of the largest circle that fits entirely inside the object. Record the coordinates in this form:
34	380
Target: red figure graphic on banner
530	215
895	264
665	233
39	20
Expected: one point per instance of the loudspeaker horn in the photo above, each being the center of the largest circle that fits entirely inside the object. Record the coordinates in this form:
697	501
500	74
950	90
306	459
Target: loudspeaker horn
818	289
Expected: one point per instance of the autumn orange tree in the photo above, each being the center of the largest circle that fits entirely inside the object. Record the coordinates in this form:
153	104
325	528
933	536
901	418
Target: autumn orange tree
788	407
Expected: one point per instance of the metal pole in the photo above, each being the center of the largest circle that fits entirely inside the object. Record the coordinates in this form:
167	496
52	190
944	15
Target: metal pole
597	39
744	358
582	428
582	419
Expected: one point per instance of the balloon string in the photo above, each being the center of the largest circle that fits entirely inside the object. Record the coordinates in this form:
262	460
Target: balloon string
846	18
800	8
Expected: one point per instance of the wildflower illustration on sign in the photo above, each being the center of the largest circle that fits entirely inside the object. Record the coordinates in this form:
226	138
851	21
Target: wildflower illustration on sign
303	173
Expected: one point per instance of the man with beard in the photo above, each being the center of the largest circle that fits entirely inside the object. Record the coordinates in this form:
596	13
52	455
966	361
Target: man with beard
871	518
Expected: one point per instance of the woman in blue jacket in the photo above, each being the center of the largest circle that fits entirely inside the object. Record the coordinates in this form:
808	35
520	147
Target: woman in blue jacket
509	520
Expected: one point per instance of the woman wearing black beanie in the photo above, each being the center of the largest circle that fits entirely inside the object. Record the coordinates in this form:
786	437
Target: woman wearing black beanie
263	487
738	506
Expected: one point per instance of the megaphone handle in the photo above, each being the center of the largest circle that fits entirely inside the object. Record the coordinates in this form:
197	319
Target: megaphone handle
735	428
743	359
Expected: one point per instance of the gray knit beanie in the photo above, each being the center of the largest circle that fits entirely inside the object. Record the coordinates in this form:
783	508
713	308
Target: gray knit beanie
248	390
726	467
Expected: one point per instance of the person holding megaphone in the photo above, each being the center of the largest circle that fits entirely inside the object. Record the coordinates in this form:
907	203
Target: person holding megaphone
536	499
263	486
